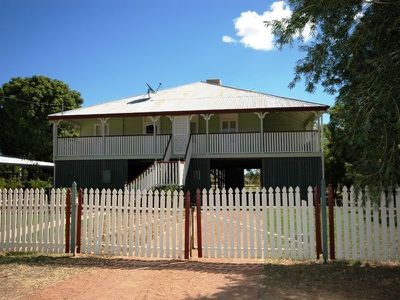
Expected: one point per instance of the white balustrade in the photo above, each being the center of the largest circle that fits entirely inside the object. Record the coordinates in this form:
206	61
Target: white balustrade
136	145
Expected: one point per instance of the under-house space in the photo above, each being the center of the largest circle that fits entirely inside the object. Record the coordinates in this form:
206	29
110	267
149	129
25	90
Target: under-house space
233	173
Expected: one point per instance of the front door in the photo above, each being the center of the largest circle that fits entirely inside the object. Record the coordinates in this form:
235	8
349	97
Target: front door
181	134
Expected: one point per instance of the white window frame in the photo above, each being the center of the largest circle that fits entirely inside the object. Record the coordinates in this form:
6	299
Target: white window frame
98	125
229	118
147	121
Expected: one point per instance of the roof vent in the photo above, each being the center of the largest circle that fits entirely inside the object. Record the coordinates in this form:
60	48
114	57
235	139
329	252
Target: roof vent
214	81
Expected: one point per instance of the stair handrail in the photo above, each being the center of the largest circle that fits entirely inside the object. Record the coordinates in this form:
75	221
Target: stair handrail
168	150
188	156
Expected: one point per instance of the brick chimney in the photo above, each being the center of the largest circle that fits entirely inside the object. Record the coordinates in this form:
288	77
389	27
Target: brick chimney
214	81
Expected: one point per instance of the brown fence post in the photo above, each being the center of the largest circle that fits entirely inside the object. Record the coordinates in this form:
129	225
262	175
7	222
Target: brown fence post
331	224
198	215
67	220
317	204
187	225
79	221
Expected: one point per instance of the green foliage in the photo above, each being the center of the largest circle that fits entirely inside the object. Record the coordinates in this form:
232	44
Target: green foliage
25	104
355	54
14	183
39	184
252	177
3	183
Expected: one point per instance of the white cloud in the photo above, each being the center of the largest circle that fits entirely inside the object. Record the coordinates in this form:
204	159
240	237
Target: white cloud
252	32
228	39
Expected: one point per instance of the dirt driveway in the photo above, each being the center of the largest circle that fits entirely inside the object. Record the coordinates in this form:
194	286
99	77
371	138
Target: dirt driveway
121	278
48	277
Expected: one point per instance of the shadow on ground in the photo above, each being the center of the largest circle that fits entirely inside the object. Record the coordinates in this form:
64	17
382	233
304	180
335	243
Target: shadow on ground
280	280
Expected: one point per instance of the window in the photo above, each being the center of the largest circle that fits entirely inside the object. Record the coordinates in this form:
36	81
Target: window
106	176
97	129
148	126
229	123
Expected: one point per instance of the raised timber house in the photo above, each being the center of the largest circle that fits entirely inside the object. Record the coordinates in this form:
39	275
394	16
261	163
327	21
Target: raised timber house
198	135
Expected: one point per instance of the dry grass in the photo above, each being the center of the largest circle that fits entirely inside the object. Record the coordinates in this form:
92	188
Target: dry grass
23	273
337	280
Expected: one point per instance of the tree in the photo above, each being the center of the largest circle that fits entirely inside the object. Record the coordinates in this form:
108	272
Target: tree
355	54
25	103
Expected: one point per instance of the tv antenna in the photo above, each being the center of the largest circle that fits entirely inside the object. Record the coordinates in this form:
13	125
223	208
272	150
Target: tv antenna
151	90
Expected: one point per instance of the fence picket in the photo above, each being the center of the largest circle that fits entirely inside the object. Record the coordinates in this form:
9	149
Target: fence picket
271	220
204	221
311	223
305	232
100	226
238	217
181	199
143	224
150	221
174	209
217	221
244	226
353	227
90	221
361	226
231	223
251	222
376	235
156	219
346	243
96	223
278	212
264	205
384	241
285	222
224	222
392	237
368	227
168	225
293	252
119	222
258	221
299	242
114	205
107	222
162	226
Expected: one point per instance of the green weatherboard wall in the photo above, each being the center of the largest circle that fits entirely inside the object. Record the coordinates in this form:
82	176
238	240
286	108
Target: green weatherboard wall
92	173
292	171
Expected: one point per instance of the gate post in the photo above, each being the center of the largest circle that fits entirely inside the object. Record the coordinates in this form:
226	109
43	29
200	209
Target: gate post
317	205
324	223
198	215
187	224
331	224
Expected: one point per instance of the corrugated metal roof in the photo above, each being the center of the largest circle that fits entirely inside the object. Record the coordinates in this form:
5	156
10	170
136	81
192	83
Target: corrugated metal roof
194	97
7	160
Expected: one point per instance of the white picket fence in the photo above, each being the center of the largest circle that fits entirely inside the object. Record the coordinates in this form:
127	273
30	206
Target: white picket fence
258	224
364	231
137	224
31	220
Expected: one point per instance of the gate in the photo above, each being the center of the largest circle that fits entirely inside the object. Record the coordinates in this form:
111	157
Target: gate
257	224
140	224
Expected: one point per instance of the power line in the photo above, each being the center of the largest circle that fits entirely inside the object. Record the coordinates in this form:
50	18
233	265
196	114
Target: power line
30	102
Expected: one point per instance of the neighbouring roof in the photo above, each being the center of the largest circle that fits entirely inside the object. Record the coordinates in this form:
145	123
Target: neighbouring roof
198	97
6	160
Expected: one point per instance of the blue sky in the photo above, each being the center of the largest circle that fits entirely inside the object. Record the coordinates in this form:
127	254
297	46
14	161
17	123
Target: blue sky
111	49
